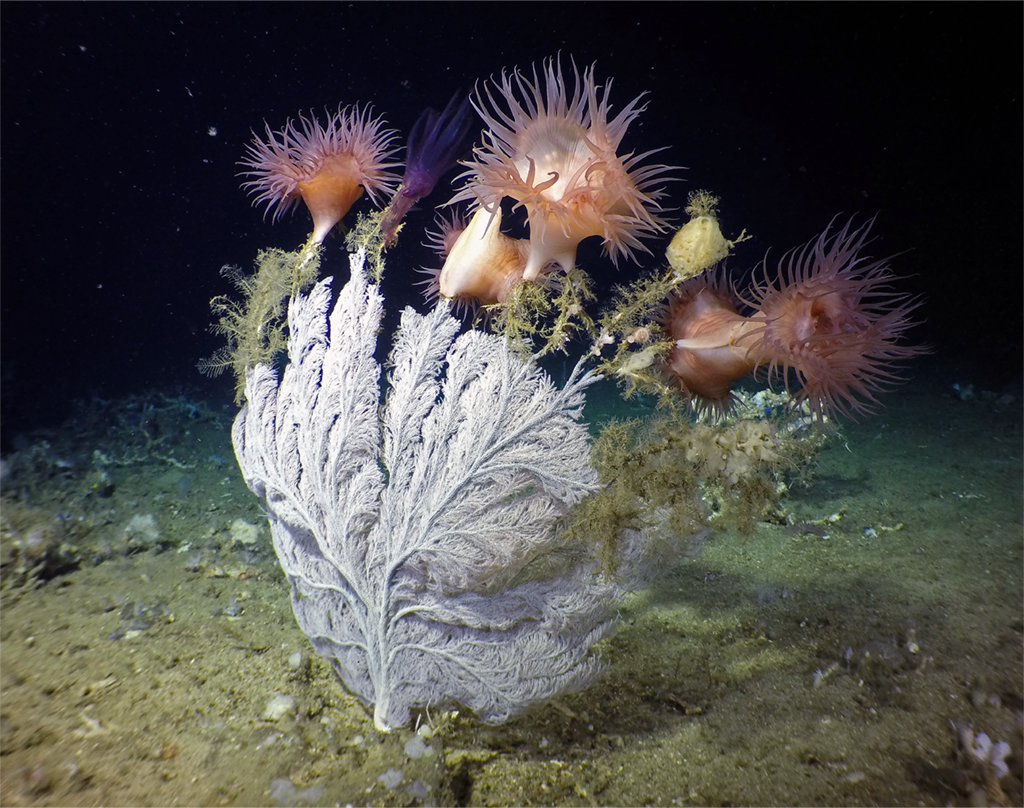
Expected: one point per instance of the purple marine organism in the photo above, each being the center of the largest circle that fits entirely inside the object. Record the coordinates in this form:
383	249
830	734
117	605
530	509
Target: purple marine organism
435	143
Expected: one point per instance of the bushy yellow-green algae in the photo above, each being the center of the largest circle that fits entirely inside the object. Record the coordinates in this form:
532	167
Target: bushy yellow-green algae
672	477
255	325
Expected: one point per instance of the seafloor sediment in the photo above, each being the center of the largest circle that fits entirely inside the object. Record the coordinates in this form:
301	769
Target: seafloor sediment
147	631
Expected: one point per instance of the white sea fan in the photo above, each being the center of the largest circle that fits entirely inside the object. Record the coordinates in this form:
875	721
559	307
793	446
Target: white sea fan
419	535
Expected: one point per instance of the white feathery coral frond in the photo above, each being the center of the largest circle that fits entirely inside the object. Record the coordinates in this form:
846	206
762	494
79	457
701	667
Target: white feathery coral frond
419	537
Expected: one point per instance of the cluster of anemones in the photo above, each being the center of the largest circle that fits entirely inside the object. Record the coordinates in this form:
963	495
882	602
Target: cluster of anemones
830	316
552	150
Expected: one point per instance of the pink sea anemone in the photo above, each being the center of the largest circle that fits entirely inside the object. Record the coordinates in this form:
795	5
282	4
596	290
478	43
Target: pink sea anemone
482	265
833	318
554	151
702	319
327	167
830	316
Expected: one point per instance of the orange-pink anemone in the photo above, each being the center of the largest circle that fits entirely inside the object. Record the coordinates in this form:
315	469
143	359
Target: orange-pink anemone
327	167
701	318
482	265
554	151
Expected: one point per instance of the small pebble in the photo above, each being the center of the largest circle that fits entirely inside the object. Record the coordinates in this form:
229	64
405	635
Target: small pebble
280	705
416	747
